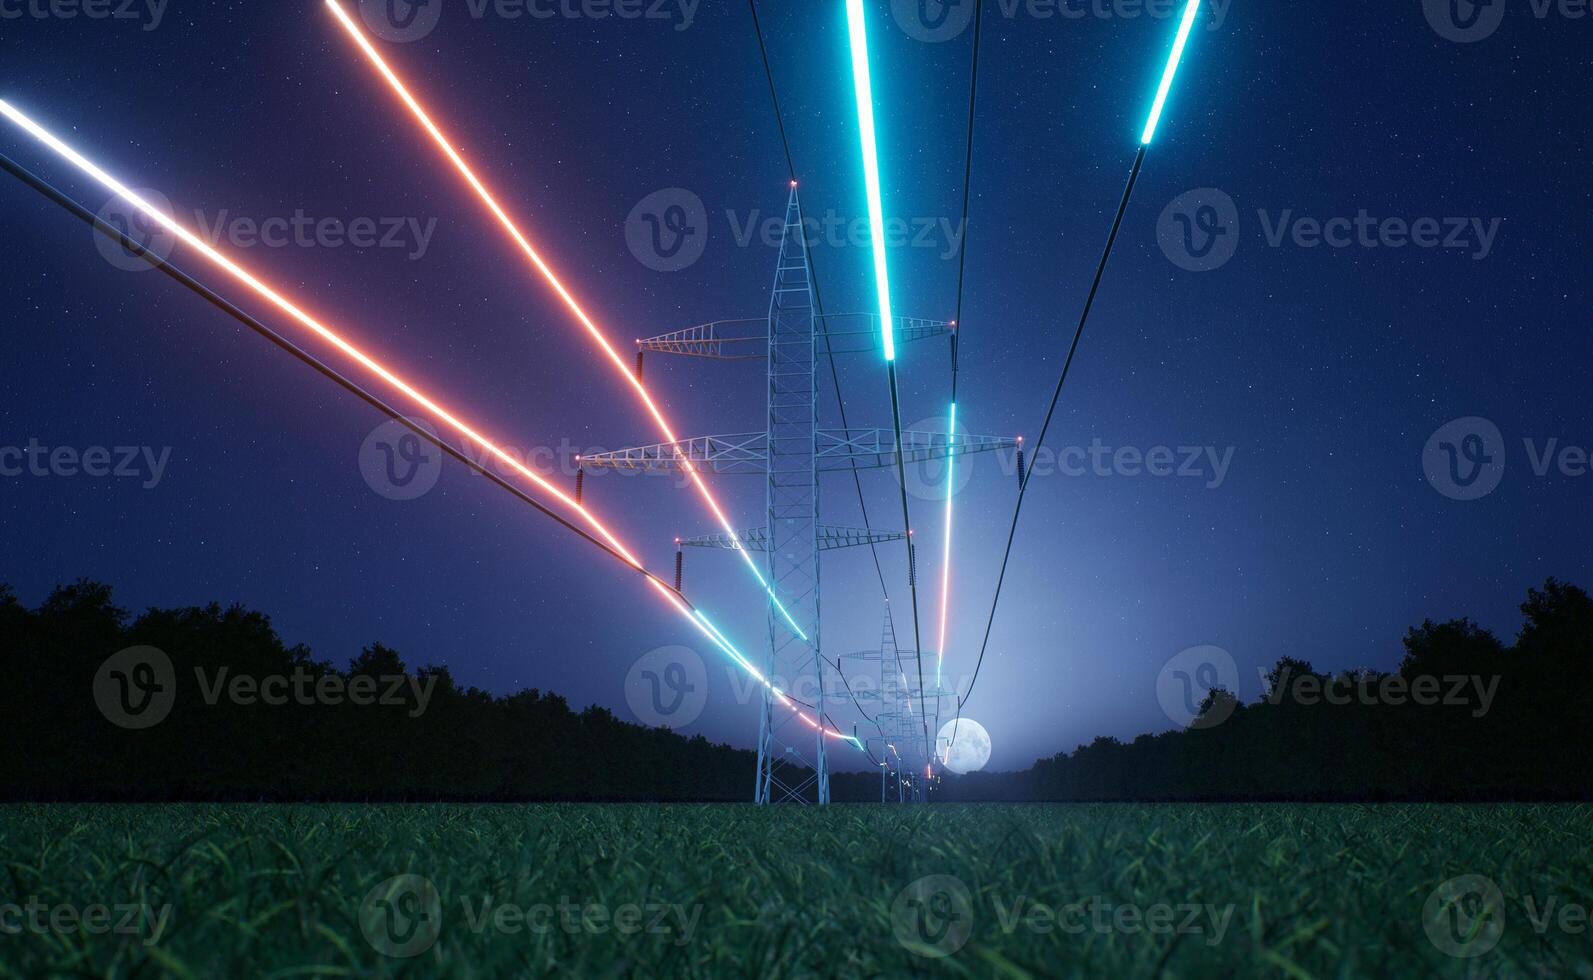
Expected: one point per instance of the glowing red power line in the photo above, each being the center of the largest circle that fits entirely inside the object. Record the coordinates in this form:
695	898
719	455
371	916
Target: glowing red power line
695	617
553	280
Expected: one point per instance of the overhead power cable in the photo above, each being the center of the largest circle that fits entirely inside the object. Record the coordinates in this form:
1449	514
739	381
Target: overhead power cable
818	300
536	260
1169	73
835	376
956	337
612	546
863	85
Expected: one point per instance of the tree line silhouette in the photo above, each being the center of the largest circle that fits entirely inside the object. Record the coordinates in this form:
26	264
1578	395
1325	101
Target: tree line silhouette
1493	722
213	745
1463	717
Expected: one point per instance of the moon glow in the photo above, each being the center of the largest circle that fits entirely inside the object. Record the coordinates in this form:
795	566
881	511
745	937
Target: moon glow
968	751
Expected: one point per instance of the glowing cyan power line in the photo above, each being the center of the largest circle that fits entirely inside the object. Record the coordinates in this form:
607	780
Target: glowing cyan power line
863	83
1171	72
397	383
857	32
1168	74
542	267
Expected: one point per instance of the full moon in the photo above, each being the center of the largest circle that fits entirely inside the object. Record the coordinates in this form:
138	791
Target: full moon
970	750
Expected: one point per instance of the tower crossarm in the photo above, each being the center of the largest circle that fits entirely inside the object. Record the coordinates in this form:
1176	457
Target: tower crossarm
841	449
725	340
831	537
746	452
859	333
837	449
748	339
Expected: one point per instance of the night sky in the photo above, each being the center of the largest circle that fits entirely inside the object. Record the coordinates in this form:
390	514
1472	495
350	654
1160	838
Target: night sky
1325	370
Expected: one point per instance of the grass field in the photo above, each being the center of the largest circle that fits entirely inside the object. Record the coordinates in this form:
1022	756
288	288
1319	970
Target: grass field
616	891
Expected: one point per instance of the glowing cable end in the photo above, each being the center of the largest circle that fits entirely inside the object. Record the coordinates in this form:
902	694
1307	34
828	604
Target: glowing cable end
1170	72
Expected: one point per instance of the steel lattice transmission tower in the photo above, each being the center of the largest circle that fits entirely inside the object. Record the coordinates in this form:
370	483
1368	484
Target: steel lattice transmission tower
904	749
791	453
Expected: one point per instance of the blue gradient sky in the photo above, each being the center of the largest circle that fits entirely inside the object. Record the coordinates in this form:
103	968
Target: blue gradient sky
1325	370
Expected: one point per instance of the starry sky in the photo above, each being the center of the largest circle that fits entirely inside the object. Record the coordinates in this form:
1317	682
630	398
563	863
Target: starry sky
1317	373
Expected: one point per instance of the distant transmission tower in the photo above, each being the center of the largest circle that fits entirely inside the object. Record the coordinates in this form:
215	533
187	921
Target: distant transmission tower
791	453
904	752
